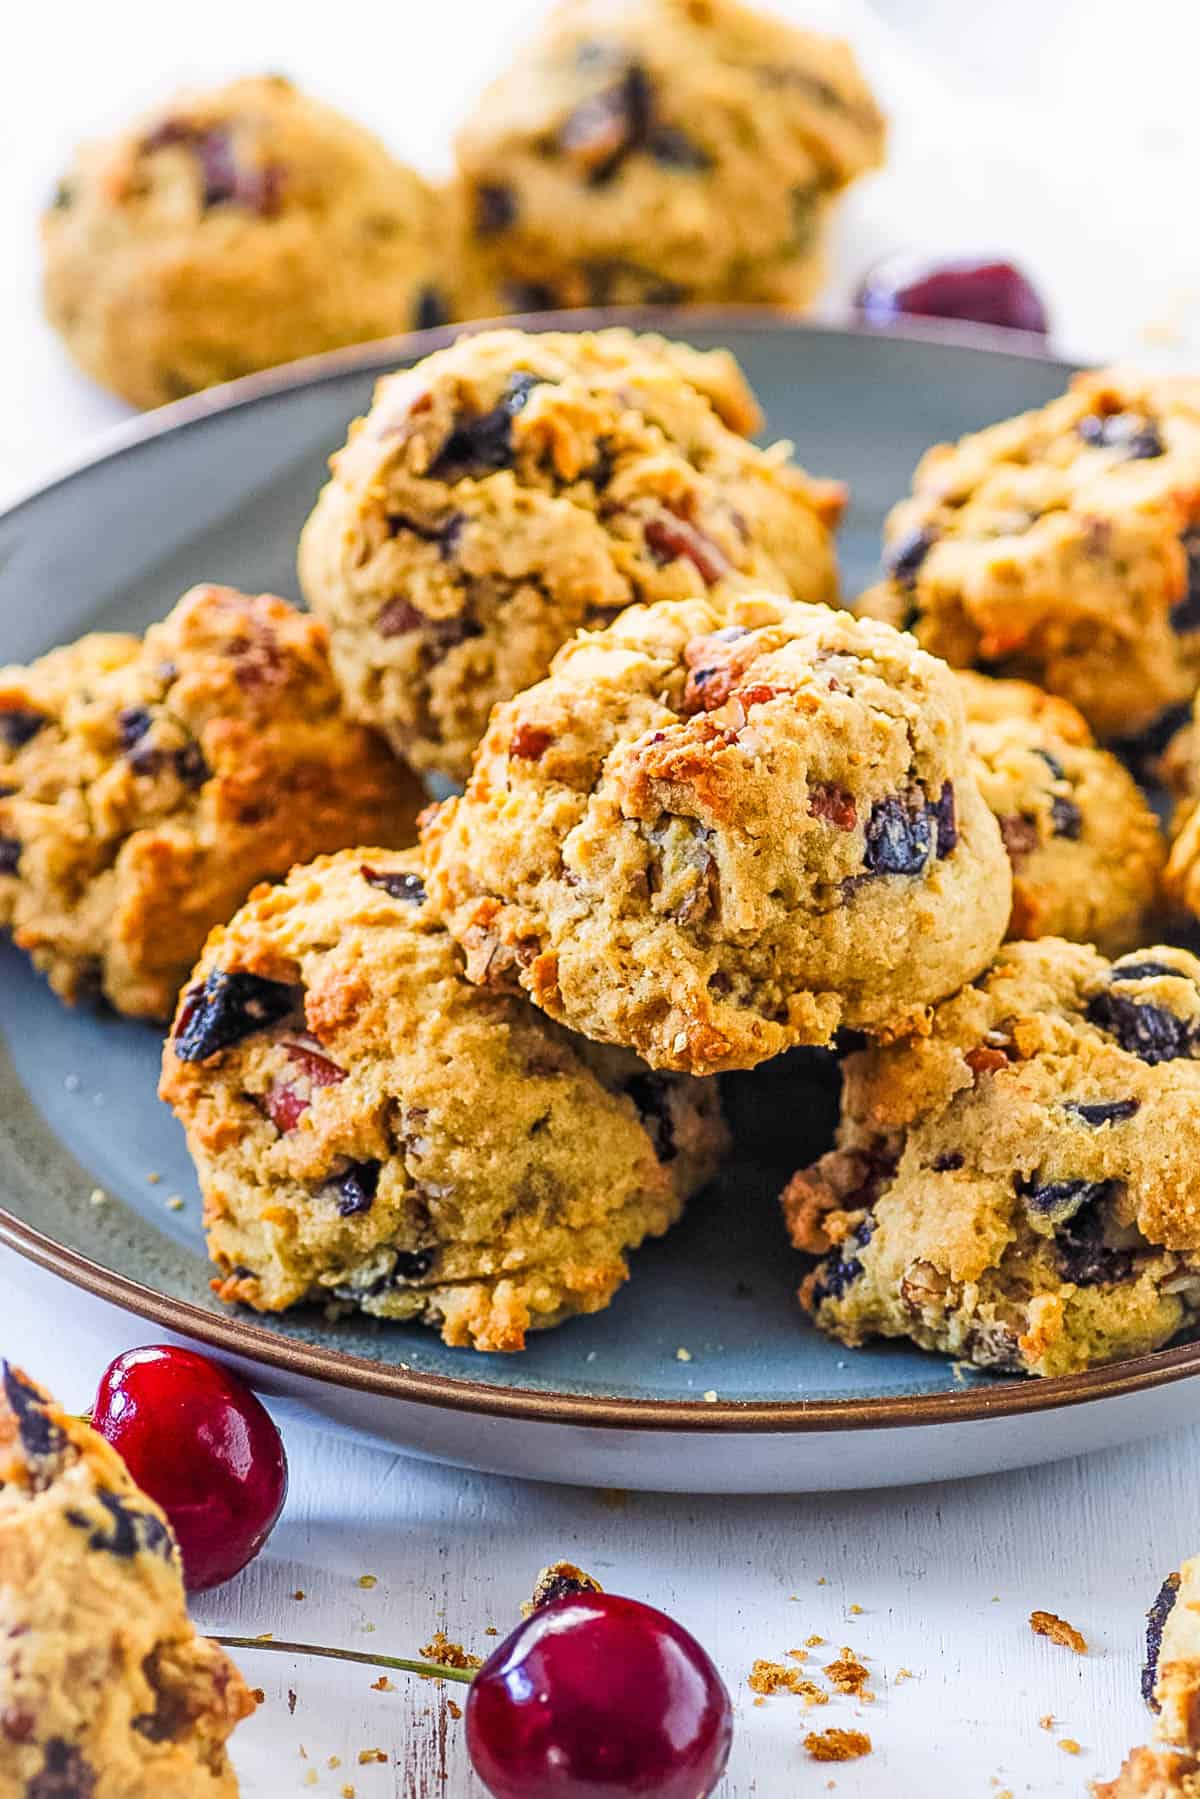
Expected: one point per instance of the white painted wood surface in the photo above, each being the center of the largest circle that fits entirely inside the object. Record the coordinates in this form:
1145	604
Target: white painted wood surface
1024	135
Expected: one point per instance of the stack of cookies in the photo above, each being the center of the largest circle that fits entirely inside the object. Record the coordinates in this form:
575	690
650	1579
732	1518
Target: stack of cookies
706	813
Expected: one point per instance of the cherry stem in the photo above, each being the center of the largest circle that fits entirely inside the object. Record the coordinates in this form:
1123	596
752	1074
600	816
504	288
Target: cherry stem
427	1670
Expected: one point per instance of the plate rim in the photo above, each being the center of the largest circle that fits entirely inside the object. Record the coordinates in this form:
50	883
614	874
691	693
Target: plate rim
232	1334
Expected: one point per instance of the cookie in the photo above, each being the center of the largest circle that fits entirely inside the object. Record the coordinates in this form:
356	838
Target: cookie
373	1131
1086	850
1152	1774
106	1691
514	488
233	230
716	830
146	784
660	151
1020	1186
1179	769
1063	547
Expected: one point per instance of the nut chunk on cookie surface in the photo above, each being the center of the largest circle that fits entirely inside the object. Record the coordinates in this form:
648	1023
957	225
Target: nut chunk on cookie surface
106	1691
1063	547
147	783
372	1130
1085	847
717	830
231	230
661	150
513	488
1020	1187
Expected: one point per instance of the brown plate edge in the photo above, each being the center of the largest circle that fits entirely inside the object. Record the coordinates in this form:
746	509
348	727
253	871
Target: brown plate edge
233	1336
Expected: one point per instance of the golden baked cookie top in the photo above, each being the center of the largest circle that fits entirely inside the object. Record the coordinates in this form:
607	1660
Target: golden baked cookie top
1062	546
719	828
147	783
371	1128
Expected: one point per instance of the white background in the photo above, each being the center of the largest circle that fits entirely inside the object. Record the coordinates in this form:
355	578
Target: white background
1068	134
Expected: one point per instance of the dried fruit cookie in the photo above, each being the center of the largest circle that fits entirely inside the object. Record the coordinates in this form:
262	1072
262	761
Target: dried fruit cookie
512	488
106	1691
1085	847
1180	768
1171	1687
370	1128
232	230
147	783
1063	547
661	150
1020	1187
719	829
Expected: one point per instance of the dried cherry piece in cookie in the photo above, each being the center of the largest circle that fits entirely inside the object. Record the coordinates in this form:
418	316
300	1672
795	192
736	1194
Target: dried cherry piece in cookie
356	1187
1102	1111
1058	1201
1138	438
835	1276
1143	1029
65	1774
899	837
1185	615
399	885
42	1440
18	724
902	560
480	445
495	209
229	1007
1084	1257
125	1531
1066	818
1156	1622
10	855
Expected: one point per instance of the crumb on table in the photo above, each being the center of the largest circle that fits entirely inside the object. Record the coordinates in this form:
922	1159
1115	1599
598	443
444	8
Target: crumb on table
835	1745
1046	1624
767	1677
446	1654
847	1674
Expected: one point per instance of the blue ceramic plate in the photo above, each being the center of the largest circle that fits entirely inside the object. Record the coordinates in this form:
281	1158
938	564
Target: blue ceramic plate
217	489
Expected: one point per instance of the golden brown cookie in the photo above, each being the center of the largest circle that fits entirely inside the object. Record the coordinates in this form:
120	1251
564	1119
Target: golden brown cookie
1063	547
513	488
232	230
370	1129
718	829
661	150
1020	1185
147	783
1086	849
106	1691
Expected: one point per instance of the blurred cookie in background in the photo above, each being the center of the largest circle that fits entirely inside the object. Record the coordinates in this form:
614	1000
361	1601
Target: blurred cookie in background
656	151
233	230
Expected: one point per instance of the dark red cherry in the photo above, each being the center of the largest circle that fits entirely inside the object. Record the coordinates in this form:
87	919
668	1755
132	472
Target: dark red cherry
599	1697
204	1447
981	290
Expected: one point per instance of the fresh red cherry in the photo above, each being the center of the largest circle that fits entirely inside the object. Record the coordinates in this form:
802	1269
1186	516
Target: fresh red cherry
983	291
598	1697
204	1447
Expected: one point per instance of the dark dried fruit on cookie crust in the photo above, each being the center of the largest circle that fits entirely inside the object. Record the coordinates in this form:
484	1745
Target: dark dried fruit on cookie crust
229	1007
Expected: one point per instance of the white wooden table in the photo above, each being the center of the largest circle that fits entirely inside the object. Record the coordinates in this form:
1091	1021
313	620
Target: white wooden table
994	145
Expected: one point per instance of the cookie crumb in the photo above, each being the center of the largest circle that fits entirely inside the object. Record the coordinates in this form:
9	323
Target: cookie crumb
291	1702
335	1761
347	1791
299	1593
174	1202
848	1675
367	1581
856	1611
1069	1744
903	1674
835	1745
382	1685
454	1710
258	1696
683	1355
311	1778
767	1677
98	1197
1046	1624
491	1631
154	1178
440	1649
371	1755
1047	1723
710	1398
813	1642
